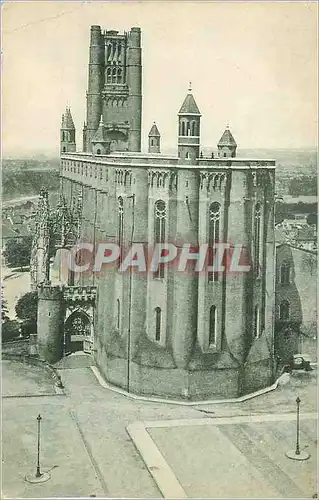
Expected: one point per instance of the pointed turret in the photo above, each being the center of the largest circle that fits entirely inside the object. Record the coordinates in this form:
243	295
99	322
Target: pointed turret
189	128
154	140
67	141
227	145
100	142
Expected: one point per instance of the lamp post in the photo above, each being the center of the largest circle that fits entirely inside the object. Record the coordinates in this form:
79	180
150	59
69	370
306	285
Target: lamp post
38	473
296	454
40	477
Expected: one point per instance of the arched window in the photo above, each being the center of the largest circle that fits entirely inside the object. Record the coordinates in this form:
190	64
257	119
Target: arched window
257	239
152	142
160	214
213	237
193	128
284	310
158	321
256	322
285	273
64	149
212	325
114	73
118	314
183	128
120	231
225	155
119	75
98	151
109	75
188	129
114	103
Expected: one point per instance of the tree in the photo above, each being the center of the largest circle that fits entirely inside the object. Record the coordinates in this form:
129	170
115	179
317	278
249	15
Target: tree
18	251
27	308
4	308
10	330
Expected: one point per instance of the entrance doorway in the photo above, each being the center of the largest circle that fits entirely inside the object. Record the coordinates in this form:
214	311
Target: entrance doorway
78	334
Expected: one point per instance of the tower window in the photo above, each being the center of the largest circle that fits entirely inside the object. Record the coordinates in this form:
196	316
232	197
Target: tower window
114	74
257	239
256	322
152	142
284	310
64	149
98	151
188	129
212	325
285	273
159	231
120	225
193	128
213	237
119	75
158	321
109	75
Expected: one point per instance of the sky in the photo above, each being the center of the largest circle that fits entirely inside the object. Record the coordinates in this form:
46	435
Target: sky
252	65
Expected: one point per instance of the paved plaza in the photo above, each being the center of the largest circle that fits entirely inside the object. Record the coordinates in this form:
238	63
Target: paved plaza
87	444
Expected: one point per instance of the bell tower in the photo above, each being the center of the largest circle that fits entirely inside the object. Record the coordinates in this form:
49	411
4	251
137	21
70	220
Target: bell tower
67	139
189	128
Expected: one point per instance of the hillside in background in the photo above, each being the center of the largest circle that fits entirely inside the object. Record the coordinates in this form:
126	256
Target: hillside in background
27	177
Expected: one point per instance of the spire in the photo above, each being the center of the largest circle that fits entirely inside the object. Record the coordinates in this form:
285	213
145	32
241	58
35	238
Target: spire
227	138
100	134
154	132
68	120
189	106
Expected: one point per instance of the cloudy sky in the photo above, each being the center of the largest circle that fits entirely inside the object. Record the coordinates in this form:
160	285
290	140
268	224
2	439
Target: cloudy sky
253	65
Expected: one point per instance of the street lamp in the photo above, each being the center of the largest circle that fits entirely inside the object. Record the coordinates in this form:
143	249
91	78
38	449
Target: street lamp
40	477
296	454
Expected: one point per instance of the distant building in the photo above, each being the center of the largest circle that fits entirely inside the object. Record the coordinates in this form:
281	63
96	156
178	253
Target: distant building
296	301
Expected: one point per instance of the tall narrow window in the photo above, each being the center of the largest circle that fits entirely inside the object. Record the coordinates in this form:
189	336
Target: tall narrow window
257	239
119	75
285	273
120	226
213	236
284	310
118	314
159	231
193	127
256	322
114	73
212	325
109	75
188	128
183	128
158	320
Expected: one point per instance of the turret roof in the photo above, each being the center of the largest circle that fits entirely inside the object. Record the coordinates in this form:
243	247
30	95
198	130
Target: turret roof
100	134
189	106
227	139
154	132
67	120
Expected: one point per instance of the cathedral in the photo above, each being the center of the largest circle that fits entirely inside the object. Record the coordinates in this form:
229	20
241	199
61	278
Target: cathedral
191	336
